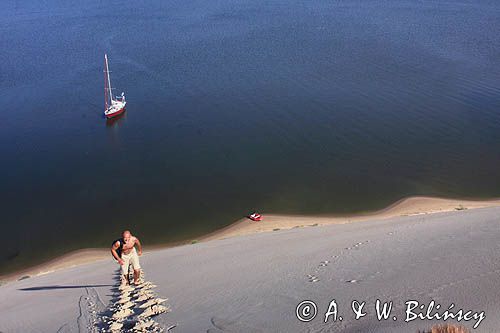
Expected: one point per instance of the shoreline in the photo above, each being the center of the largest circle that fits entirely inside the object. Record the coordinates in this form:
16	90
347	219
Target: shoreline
415	205
410	206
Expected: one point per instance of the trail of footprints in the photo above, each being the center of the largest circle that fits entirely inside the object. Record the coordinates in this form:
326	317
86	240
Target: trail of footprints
356	246
434	293
325	263
134	309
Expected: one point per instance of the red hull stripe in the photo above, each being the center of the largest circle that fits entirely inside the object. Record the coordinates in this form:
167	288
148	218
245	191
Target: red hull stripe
114	114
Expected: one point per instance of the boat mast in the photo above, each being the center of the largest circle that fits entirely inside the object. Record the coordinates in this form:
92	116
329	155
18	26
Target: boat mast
105	84
109	81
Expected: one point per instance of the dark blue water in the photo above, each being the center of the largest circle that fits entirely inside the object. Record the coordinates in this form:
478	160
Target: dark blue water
281	106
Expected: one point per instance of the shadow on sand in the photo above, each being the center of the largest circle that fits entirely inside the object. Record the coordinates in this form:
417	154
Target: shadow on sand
65	287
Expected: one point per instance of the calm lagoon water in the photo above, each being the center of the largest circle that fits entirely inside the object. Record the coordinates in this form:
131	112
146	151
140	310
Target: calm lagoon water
310	107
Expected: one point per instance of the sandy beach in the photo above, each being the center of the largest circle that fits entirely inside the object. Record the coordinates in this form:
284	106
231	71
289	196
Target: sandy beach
255	282
405	207
272	222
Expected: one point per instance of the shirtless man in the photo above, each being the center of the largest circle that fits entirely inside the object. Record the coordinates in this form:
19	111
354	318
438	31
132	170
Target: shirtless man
123	250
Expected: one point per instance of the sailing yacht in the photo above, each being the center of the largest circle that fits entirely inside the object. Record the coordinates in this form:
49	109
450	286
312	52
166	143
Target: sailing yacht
112	106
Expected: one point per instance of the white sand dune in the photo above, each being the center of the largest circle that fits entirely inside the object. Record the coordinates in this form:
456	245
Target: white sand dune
253	283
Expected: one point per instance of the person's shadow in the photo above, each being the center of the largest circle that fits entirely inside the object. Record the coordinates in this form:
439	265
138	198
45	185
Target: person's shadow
65	287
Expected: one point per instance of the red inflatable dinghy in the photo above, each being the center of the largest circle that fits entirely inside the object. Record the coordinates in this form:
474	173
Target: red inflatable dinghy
255	217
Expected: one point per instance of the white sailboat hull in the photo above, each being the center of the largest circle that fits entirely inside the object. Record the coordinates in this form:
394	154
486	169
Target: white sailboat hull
116	109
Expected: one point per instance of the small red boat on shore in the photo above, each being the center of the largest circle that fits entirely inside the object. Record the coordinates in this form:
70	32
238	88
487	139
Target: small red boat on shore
112	106
255	216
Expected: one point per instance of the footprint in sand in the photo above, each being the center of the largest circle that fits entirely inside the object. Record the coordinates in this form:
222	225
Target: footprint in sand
312	278
116	326
143	298
153	311
146	285
357	245
122	314
128	305
123	300
125	286
323	263
149	325
143	326
152	302
144	291
171	327
144	295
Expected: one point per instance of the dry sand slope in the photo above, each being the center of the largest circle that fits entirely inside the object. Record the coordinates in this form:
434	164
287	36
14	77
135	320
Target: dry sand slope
254	283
